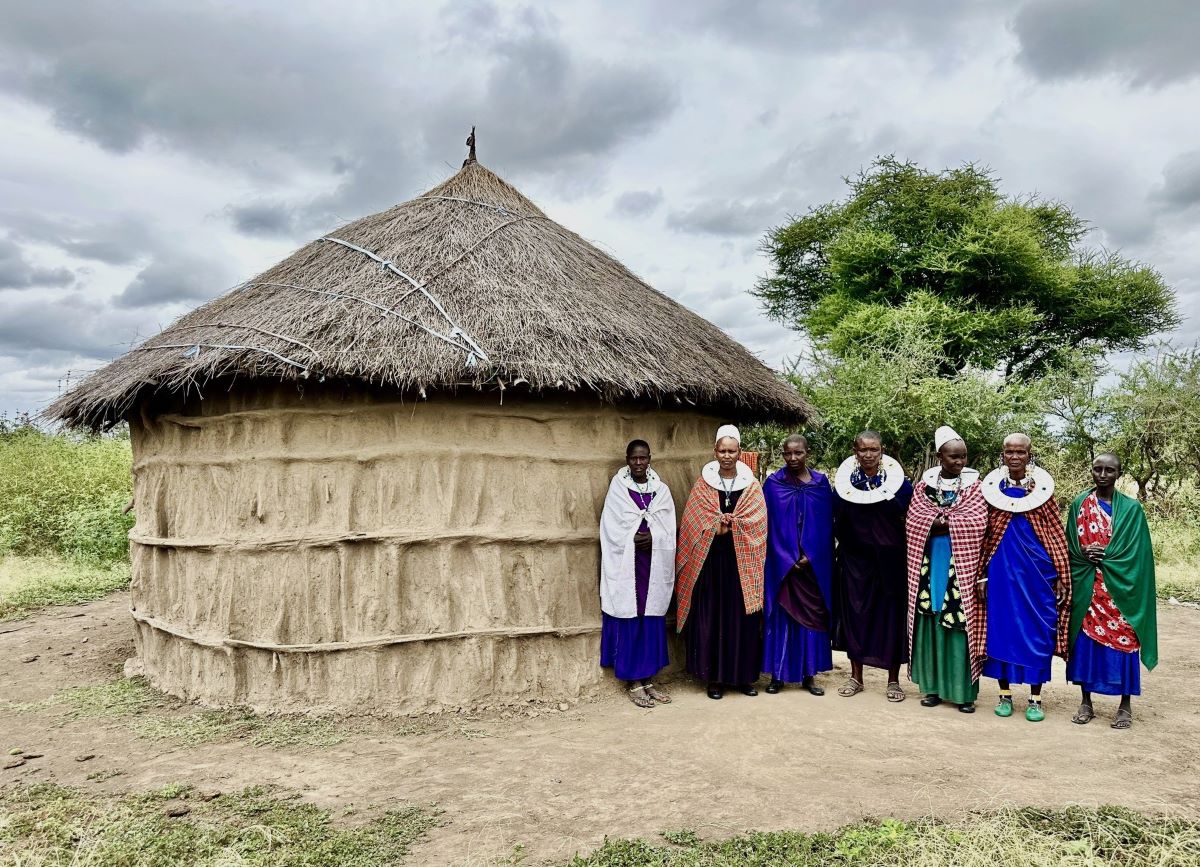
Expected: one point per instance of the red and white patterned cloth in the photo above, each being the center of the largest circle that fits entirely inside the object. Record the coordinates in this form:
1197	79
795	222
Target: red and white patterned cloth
1104	622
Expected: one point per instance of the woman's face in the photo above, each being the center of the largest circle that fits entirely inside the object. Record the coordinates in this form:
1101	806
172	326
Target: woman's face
953	456
1016	455
795	457
638	461
727	452
868	453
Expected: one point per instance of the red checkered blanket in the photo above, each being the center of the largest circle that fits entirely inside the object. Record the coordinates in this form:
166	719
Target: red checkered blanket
968	519
698	527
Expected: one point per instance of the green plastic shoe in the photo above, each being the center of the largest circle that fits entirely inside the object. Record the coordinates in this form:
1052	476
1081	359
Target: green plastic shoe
1004	708
1034	712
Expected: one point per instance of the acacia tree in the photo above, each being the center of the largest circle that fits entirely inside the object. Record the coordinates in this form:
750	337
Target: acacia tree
1000	283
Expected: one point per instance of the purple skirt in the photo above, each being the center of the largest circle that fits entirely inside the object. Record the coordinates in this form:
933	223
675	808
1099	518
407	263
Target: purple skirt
791	652
1101	669
633	647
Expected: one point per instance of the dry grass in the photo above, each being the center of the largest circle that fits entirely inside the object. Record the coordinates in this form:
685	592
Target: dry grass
53	826
550	311
1072	837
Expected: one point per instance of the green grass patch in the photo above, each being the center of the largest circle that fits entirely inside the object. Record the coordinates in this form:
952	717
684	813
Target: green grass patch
1087	837
56	826
30	583
64	493
157	716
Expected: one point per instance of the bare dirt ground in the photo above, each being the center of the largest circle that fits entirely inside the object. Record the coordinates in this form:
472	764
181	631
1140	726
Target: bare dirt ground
559	782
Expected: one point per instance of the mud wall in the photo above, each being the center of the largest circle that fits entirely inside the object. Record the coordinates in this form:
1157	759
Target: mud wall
339	551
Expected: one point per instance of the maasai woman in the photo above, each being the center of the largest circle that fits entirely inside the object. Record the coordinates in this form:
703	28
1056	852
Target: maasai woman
1027	582
946	522
871	595
1113	619
799	571
719	570
637	574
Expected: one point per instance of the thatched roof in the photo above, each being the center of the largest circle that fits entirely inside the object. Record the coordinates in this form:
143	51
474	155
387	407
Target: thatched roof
526	303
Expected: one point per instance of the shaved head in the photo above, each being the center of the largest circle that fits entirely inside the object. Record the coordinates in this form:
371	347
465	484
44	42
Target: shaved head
796	439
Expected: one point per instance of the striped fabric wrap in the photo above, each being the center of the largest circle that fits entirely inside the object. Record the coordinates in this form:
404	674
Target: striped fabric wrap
968	519
698	528
1048	527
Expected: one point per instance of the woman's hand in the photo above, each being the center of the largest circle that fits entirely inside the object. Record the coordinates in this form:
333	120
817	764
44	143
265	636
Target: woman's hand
940	526
1094	551
642	541
981	590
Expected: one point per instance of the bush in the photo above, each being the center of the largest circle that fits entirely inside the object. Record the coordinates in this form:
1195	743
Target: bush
64	494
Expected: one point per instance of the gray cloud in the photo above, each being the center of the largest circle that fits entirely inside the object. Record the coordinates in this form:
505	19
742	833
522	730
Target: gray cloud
174	279
545	108
119	241
264	219
17	272
728	217
814	26
74	325
637	203
1180	188
1148	44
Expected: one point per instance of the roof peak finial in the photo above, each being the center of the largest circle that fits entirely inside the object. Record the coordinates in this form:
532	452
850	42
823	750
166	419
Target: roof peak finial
471	144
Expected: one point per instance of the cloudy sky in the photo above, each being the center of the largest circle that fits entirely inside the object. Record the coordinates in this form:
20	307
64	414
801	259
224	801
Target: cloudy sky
153	155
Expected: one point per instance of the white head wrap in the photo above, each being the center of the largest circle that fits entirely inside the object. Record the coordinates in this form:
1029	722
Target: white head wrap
943	435
728	430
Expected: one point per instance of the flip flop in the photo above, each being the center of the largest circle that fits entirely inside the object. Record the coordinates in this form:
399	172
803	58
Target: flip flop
1084	715
657	694
637	695
850	687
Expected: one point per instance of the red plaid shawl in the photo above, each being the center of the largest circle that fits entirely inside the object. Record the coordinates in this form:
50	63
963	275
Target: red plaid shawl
1048	527
968	519
698	528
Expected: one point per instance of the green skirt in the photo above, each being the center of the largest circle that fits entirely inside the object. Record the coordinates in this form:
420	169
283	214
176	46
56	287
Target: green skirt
941	664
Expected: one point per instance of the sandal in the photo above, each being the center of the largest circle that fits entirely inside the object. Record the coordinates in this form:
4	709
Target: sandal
894	693
1084	715
637	695
850	687
657	694
1124	719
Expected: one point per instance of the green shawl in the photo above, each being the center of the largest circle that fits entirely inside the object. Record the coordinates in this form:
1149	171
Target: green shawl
1128	567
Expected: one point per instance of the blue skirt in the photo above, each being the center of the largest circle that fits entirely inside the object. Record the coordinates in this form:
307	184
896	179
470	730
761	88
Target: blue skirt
634	647
792	652
1101	669
1016	673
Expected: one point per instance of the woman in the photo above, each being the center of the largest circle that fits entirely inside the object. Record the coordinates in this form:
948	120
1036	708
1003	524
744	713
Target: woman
637	575
719	570
799	571
946	523
871	595
1113	620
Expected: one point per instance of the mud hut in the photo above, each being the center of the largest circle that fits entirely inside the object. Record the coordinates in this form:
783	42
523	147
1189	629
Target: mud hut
370	477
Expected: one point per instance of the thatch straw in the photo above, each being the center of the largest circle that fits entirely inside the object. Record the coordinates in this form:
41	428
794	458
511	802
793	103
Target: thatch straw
526	303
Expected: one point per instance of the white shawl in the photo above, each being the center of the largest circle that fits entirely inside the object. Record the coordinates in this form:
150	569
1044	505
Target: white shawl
618	524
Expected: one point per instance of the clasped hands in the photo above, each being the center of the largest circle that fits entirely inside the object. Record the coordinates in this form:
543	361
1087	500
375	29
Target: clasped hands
1094	551
642	542
726	523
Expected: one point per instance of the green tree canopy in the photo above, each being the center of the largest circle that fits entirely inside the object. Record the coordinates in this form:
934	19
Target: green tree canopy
998	282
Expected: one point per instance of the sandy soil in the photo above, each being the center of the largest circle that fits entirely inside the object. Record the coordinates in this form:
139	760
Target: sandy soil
558	782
